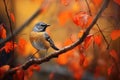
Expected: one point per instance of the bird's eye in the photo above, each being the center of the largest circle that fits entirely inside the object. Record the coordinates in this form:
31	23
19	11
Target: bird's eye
43	25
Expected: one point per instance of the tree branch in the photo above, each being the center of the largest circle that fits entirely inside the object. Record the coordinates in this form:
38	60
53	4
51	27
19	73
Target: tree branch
103	35
11	30
63	50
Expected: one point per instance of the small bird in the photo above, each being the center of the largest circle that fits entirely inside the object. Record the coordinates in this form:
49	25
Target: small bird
40	39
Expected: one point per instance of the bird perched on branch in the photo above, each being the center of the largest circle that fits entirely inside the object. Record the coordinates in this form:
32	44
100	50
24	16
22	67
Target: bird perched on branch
40	39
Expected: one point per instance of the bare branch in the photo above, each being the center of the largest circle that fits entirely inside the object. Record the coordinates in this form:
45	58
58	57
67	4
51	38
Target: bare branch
89	10
11	30
63	50
103	35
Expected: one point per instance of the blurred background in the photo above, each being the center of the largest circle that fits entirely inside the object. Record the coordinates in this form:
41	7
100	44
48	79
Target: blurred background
90	63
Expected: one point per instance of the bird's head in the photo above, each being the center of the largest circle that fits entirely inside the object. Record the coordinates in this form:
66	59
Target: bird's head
40	27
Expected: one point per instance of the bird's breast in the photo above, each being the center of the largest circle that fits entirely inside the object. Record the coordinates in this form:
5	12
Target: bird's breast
38	40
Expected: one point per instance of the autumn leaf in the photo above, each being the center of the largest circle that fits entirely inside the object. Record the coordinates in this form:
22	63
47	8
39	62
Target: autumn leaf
30	70
115	34
2	31
97	3
117	1
114	54
8	46
82	19
12	17
62	59
21	45
86	63
98	39
3	69
64	16
80	34
109	71
87	41
68	42
19	75
82	58
75	67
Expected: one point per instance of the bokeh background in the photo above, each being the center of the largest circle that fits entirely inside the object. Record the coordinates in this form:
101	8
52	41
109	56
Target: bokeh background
63	30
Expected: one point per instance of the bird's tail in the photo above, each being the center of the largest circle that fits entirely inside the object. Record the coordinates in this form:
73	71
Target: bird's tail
54	47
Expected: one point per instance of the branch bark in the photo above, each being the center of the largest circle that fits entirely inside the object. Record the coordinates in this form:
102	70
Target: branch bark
55	54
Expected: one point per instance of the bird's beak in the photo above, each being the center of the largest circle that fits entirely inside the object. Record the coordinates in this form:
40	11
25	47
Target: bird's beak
48	25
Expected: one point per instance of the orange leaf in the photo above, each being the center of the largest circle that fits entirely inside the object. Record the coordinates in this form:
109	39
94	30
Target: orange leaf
3	69
109	71
68	42
87	41
80	33
9	46
97	3
12	17
114	54
2	31
98	39
86	63
82	58
62	59
21	45
64	17
117	1
82	19
30	70
115	34
65	2
19	75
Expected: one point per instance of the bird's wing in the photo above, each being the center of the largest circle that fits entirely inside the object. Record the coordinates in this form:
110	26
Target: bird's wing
47	37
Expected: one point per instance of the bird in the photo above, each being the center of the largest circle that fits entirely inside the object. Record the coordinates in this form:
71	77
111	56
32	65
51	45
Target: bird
40	39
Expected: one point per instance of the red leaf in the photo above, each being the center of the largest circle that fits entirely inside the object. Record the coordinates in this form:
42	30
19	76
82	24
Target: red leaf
64	17
115	34
21	45
3	69
82	19
97	3
87	41
98	39
9	46
12	17
82	58
117	1
19	75
62	59
109	71
30	70
80	33
113	53
86	63
2	31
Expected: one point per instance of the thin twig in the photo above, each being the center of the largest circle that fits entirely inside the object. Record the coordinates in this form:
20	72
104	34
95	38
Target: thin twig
102	35
63	50
89	10
11	30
